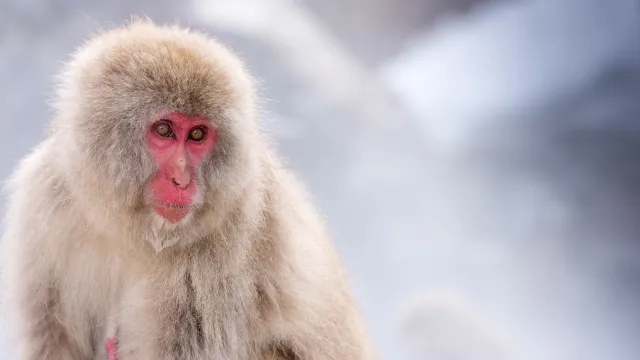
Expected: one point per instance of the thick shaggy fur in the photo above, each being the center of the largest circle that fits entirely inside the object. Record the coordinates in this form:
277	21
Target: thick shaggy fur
251	274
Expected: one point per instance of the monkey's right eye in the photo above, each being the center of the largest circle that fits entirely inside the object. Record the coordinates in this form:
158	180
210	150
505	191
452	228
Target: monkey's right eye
163	129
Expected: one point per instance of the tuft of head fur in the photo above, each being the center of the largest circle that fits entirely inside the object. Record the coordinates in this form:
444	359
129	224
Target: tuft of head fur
124	76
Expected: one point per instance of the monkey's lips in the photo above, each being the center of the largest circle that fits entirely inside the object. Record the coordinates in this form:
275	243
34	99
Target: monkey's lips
172	212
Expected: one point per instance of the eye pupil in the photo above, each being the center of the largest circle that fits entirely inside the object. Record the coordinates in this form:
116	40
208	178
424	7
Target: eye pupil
163	130
197	134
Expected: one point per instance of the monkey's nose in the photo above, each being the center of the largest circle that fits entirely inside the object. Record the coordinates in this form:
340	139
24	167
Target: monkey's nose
181	182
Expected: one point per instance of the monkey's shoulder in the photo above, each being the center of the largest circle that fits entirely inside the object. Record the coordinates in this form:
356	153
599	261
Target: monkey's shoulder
38	208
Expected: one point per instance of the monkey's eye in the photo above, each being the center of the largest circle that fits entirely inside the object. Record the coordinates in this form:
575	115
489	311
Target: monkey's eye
163	129
196	134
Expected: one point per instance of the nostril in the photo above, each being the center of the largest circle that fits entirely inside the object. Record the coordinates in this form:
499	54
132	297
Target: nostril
180	184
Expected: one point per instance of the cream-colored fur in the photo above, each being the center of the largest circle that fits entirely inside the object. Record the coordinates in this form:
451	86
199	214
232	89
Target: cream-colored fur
252	274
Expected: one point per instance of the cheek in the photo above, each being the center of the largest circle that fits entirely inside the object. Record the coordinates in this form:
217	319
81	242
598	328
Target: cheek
199	151
161	150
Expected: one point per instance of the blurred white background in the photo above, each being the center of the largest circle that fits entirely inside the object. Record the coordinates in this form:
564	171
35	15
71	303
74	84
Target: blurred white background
490	149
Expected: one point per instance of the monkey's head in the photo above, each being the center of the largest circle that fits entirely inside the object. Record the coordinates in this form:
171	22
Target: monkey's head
157	128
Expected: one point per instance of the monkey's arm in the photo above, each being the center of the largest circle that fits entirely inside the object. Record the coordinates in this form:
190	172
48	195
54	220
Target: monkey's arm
327	326
43	336
319	318
31	255
35	296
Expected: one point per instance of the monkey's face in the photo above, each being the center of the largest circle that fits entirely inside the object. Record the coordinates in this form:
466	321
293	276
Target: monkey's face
157	131
178	143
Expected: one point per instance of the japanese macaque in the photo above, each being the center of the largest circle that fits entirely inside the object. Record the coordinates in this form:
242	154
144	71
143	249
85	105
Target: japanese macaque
439	325
156	221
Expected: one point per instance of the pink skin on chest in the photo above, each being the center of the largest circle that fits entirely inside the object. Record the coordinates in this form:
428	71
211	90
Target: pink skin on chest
110	346
173	186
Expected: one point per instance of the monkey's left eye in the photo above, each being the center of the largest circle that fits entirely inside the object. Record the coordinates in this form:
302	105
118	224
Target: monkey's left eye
163	130
197	134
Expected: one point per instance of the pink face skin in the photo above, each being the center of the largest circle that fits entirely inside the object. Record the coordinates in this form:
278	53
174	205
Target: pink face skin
177	154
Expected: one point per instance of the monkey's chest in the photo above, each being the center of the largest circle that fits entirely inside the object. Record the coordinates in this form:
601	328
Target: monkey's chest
190	319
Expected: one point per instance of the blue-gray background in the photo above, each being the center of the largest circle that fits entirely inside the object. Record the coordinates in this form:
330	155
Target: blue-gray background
486	147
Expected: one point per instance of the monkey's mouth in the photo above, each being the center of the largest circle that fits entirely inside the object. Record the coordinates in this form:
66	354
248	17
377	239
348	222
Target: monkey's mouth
175	206
172	212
